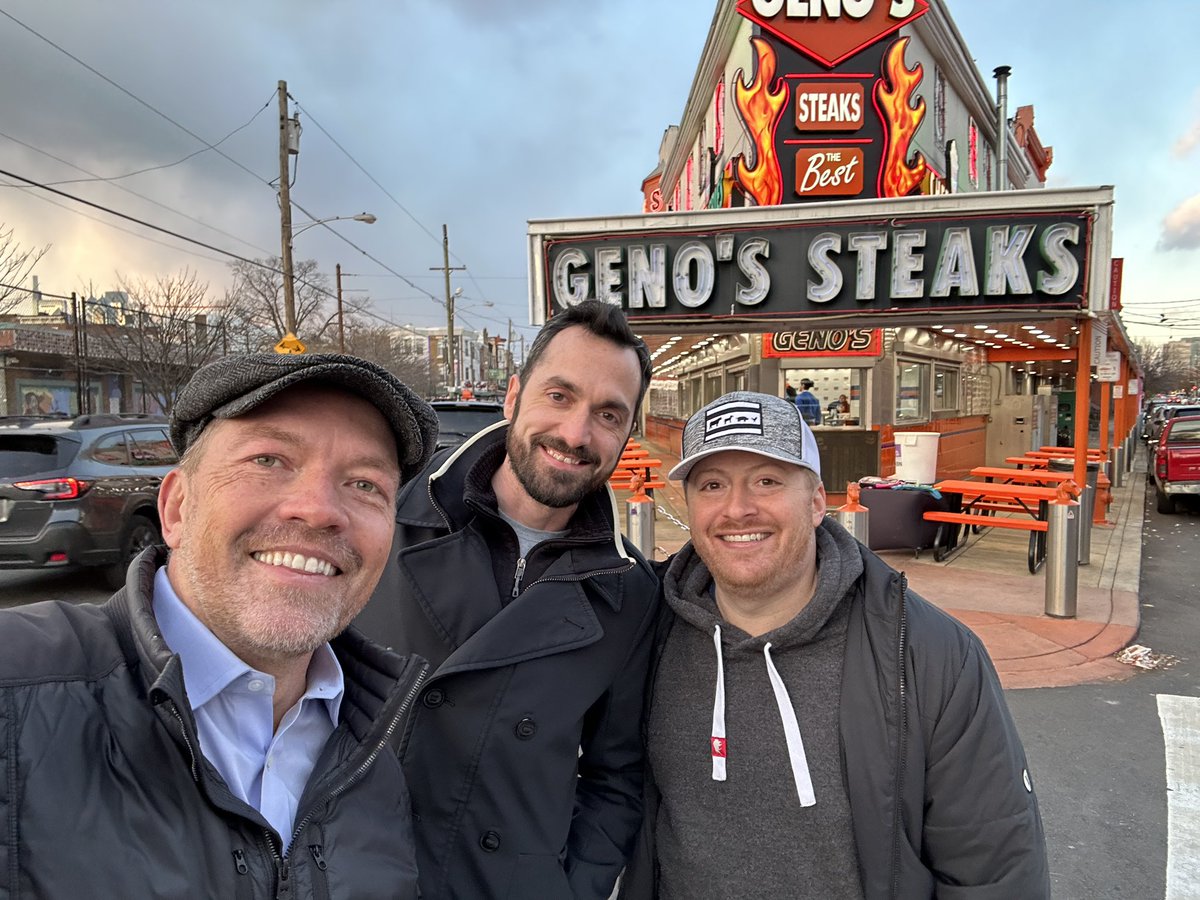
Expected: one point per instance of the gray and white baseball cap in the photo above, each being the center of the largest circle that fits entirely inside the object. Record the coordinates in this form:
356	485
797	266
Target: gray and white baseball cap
754	423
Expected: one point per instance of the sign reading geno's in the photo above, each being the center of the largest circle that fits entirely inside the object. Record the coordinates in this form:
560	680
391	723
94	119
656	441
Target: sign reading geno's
1036	260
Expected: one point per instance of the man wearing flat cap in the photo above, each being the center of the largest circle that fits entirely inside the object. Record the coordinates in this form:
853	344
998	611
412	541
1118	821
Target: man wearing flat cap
214	730
816	729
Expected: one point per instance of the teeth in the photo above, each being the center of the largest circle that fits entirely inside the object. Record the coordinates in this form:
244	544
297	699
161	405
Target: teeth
295	561
743	538
566	459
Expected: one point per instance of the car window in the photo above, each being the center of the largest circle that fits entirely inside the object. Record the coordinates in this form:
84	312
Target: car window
1185	411
111	450
151	447
30	454
1184	430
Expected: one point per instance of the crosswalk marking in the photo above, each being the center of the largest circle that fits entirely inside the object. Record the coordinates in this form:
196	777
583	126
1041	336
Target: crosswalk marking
1180	717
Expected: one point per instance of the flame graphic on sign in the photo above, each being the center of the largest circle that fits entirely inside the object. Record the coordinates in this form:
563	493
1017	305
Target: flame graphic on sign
901	119
760	108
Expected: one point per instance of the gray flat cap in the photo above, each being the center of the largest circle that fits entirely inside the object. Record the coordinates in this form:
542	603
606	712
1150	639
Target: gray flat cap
234	385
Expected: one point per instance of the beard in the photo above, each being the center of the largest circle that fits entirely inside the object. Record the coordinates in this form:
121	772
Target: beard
266	620
550	487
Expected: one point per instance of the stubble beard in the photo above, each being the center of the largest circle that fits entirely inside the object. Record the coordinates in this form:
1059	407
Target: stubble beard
273	622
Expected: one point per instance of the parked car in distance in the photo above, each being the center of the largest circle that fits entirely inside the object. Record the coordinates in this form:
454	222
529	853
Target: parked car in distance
1165	413
1177	461
459	420
81	492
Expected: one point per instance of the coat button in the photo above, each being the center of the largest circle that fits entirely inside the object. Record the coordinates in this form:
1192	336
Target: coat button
434	697
525	729
489	841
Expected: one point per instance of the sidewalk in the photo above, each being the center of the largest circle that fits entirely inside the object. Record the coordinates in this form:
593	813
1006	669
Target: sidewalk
1005	608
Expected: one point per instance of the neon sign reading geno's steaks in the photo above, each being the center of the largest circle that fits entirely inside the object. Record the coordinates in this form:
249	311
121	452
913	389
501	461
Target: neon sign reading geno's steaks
974	262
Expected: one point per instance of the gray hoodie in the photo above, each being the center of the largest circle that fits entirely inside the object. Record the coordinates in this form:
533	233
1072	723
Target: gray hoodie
763	814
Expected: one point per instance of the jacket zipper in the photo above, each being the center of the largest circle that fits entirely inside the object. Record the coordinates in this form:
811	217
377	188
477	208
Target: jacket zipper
187	742
516	591
358	773
902	743
321	882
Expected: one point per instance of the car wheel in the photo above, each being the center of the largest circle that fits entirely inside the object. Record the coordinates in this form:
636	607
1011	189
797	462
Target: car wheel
1166	504
139	534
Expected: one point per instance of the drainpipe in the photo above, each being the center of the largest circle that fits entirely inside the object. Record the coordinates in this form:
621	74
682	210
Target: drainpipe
1002	73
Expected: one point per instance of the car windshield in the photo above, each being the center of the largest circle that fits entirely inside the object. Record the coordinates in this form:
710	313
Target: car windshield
32	454
467	421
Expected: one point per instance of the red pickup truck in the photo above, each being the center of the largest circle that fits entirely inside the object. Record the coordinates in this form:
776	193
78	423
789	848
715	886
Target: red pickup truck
1177	461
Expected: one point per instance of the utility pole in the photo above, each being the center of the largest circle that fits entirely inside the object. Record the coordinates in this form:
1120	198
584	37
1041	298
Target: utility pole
446	268
508	366
341	323
285	214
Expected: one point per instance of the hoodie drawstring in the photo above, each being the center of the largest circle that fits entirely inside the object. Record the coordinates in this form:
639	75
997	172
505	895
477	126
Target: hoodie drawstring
791	733
787	715
719	745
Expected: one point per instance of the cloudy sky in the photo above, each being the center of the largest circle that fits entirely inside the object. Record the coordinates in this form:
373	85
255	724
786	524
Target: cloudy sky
482	114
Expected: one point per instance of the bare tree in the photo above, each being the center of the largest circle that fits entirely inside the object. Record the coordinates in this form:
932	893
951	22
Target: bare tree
1162	374
16	263
167	330
256	300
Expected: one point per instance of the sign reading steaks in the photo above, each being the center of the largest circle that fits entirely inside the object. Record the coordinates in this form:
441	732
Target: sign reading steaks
789	267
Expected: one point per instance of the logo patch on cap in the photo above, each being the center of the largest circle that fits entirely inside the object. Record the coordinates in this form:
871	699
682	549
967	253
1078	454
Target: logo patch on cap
735	417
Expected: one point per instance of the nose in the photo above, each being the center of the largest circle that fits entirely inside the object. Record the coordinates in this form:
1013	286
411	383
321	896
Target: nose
315	497
741	503
575	427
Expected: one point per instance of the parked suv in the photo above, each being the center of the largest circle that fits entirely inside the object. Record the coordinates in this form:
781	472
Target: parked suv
82	491
459	420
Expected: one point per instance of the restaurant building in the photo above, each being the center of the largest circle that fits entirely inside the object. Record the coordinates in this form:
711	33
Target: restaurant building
845	201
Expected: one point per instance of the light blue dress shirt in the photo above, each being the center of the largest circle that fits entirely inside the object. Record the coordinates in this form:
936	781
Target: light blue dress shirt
232	704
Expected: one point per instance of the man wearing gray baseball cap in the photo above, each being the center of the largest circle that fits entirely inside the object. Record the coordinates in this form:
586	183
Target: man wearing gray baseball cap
215	730
814	727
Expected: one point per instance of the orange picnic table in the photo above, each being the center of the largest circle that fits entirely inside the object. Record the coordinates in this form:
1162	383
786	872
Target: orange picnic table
1005	474
979	500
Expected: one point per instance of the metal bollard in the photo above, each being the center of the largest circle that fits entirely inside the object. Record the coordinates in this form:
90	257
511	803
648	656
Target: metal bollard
1128	444
1062	570
639	523
1087	503
1116	465
853	516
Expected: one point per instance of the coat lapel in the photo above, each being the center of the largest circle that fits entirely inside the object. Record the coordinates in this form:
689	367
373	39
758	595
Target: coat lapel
453	582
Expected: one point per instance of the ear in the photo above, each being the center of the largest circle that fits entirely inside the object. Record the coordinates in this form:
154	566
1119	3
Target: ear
170	506
820	504
510	396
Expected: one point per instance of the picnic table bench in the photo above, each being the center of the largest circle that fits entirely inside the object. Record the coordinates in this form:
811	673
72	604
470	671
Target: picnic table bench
978	500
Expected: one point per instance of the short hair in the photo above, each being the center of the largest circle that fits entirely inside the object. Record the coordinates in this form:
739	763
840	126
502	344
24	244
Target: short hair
806	382
604	320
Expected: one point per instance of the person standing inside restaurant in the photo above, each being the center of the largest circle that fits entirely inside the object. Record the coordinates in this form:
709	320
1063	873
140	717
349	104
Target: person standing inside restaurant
807	403
816	729
511	576
214	730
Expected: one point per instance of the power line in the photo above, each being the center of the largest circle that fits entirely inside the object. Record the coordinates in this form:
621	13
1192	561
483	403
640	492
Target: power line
127	190
115	178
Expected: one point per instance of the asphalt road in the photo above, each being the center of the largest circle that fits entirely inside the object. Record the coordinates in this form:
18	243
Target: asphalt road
19	587
1097	751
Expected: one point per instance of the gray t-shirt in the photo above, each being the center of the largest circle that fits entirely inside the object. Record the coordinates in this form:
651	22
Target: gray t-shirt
528	538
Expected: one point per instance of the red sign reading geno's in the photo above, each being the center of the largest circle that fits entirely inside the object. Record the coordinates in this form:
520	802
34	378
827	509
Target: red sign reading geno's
832	30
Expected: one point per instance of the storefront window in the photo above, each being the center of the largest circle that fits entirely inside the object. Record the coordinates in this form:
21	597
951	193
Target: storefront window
841	393
945	388
912	391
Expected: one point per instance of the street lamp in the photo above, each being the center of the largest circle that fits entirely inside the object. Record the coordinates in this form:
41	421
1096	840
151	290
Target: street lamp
289	283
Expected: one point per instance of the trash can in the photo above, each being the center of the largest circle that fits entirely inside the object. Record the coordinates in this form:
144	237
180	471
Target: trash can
1087	501
916	456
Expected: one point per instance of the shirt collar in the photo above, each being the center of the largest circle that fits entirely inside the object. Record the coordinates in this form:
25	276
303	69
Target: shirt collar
209	667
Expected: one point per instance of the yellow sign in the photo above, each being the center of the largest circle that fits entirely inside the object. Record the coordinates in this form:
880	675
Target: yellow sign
290	344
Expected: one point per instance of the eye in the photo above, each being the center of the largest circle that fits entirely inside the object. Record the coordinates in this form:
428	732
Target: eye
610	417
557	396
267	461
365	486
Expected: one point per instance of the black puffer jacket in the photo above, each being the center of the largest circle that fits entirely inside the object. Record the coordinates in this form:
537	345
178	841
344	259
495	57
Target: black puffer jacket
525	754
940	794
104	793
